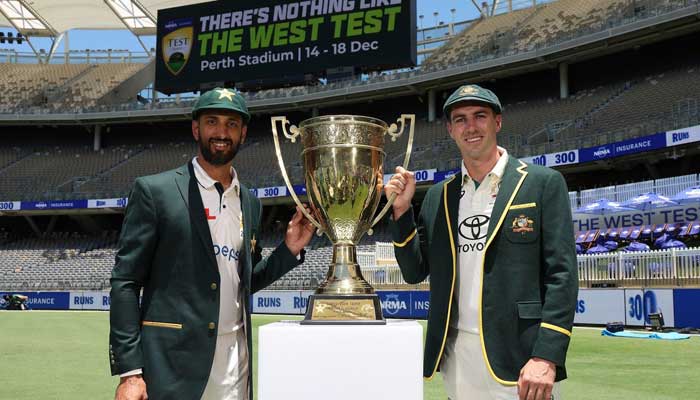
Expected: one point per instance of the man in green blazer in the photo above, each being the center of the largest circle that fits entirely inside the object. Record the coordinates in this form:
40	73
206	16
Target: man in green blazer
189	246
497	241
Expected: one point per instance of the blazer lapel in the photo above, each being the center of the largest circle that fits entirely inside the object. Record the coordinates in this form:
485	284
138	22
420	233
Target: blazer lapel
452	191
189	190
513	177
248	224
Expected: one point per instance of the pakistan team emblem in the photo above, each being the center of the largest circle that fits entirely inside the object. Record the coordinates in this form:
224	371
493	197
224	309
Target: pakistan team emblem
522	224
176	44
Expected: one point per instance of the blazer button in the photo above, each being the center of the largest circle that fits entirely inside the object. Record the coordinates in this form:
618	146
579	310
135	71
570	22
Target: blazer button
213	286
112	362
212	325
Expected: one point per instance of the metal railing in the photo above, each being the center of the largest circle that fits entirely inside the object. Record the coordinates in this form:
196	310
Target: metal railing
666	186
673	267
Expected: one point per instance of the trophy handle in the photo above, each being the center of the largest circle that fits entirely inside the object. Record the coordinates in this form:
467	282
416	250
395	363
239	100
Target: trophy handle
278	151
394	135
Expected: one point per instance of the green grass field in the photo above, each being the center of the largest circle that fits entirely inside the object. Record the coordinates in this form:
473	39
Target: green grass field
63	356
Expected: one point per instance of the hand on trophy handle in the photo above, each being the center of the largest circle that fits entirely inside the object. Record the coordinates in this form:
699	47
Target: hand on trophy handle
299	231
403	185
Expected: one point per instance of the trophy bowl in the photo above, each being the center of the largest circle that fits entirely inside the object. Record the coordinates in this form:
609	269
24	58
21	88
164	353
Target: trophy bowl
343	159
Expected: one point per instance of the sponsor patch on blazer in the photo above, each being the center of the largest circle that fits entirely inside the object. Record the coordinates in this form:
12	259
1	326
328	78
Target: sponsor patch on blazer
523	224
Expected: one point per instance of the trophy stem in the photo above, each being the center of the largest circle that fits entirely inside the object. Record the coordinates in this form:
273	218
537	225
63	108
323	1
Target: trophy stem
344	275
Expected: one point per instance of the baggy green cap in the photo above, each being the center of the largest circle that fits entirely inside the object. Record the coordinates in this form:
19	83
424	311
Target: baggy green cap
221	99
473	93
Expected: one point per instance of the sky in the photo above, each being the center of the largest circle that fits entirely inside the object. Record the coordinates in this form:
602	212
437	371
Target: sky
124	40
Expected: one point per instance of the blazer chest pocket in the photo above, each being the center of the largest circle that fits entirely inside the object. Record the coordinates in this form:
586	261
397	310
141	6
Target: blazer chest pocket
522	224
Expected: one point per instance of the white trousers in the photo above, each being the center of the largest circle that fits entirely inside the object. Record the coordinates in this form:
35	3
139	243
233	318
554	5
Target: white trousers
228	378
464	371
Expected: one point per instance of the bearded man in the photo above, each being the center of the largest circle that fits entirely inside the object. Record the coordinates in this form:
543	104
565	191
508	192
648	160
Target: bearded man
189	246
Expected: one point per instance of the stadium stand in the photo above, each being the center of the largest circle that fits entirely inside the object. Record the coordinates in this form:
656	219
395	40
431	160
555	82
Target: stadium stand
138	161
59	87
87	89
653	104
484	38
545	25
27	85
28	177
60	261
560	20
536	125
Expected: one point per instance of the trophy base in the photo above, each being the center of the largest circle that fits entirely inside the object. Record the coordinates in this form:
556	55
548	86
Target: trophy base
355	309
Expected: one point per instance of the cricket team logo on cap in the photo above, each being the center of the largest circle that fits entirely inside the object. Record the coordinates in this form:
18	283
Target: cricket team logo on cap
225	94
469	90
522	224
176	44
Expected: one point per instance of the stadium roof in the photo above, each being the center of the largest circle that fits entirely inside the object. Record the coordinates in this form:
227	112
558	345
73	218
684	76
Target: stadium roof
51	17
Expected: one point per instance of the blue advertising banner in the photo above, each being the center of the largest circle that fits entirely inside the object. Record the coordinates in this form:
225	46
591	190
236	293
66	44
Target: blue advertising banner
594	306
54	205
395	304
639	145
686	309
420	303
618	149
45	300
404	303
596	153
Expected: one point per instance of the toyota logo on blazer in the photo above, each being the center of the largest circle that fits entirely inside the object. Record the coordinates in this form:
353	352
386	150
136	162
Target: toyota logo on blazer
474	227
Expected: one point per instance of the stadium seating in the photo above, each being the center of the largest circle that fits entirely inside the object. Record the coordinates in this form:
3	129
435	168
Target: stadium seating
59	87
58	262
652	104
138	161
544	25
536	125
488	37
556	21
28	177
93	84
26	85
532	125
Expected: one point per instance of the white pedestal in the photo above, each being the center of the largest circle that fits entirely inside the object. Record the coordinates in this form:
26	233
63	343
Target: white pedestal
339	362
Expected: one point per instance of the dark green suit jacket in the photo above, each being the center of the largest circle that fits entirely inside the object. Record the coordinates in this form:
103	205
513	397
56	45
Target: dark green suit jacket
166	249
530	282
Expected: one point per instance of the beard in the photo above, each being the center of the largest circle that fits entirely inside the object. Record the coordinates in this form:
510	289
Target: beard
218	157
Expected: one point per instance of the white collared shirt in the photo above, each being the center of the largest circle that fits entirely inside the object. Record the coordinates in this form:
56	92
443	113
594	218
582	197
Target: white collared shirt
225	218
475	206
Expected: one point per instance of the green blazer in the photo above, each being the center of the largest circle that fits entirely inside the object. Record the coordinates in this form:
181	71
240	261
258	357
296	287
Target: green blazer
166	249
530	282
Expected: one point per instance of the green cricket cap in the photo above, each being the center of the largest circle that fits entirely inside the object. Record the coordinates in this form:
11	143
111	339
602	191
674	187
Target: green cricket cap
221	99
472	93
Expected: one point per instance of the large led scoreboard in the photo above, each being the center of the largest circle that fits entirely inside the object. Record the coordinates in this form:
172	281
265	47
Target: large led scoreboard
220	42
